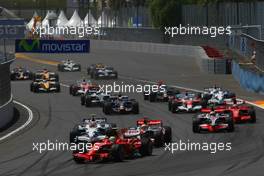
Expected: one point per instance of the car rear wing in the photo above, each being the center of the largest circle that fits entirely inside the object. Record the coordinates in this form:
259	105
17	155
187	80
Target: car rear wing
234	101
218	109
97	119
41	79
149	122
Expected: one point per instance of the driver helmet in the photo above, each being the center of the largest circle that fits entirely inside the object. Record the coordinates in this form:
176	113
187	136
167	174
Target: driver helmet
112	138
92	124
83	81
212	111
143	127
45	70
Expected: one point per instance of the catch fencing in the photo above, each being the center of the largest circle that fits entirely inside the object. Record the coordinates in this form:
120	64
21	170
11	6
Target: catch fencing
250	47
224	14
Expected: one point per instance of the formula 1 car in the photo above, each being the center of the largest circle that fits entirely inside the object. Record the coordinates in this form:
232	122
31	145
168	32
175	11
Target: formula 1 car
20	73
81	87
92	68
155	129
45	75
217	96
104	73
186	102
116	148
45	86
94	97
120	104
92	129
69	65
213	122
240	111
162	94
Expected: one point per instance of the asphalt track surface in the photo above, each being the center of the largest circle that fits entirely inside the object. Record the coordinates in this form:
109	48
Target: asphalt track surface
55	114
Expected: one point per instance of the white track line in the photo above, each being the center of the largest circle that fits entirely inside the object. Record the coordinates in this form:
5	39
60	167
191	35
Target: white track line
185	88
64	85
30	118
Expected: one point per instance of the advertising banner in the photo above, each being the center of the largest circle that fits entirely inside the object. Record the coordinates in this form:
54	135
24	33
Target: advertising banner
12	29
52	46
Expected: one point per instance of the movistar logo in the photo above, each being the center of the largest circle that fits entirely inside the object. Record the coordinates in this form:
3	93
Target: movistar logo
52	46
23	44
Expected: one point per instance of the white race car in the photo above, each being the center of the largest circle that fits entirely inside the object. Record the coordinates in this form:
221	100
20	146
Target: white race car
217	96
69	65
104	73
94	97
92	129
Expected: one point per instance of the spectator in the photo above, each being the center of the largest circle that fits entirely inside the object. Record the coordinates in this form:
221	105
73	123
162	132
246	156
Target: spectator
253	57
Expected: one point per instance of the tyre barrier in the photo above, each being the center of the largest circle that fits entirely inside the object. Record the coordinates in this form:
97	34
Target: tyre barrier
247	79
6	100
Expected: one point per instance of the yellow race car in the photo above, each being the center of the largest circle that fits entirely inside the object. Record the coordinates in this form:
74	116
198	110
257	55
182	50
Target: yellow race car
45	75
45	86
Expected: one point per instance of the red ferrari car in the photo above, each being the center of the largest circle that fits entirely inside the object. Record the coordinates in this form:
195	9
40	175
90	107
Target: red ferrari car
116	148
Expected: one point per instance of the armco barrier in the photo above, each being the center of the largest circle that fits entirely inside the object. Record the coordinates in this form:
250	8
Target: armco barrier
247	79
151	48
6	101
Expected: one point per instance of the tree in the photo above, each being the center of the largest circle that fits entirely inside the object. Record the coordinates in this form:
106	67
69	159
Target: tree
165	13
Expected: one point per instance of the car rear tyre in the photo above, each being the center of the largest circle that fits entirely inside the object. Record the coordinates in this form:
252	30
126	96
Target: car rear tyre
107	108
135	108
117	152
252	114
147	147
195	126
168	134
152	97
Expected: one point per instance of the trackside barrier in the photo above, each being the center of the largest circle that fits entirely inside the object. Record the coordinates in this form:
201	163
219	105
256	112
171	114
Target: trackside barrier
6	113
6	100
214	66
247	79
150	48
206	64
